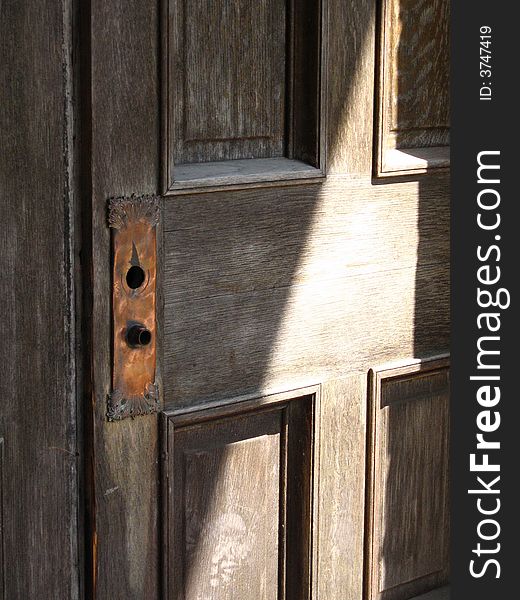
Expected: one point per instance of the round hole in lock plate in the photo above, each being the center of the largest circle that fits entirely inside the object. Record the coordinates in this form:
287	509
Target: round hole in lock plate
145	337
135	277
138	335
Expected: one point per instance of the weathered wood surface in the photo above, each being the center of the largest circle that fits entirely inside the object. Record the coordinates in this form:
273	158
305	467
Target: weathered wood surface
124	160
414	107
240	497
38	419
408	531
350	58
229	546
340	529
242	82
299	235
301	284
228	79
418	56
264	288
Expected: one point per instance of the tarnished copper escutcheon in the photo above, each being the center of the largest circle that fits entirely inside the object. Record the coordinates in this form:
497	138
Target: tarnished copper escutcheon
133	221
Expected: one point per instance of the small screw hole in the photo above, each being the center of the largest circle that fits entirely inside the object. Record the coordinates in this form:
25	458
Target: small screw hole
135	277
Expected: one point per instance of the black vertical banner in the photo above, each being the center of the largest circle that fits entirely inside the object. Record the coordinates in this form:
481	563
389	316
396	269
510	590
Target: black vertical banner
485	396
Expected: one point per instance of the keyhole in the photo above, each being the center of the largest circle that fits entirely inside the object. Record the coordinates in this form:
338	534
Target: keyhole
134	277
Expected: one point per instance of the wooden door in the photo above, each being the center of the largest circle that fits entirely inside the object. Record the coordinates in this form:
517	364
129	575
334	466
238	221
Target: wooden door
299	151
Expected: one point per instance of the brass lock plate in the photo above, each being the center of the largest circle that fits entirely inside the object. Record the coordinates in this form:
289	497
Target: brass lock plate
134	221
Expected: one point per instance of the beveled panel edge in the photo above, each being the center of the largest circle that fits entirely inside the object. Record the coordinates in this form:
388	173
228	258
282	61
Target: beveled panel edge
206	411
391	164
414	161
213	186
242	172
403	368
410	365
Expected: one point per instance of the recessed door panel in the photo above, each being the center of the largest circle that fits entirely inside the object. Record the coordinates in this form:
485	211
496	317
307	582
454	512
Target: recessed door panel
413	102
239	498
408	535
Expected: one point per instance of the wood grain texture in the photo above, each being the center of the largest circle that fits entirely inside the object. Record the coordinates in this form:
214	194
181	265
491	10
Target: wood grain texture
240	500
350	60
240	172
234	63
342	488
298	235
124	161
227	79
229	549
414	81
408	536
343	258
417	54
241	342
38	416
242	83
